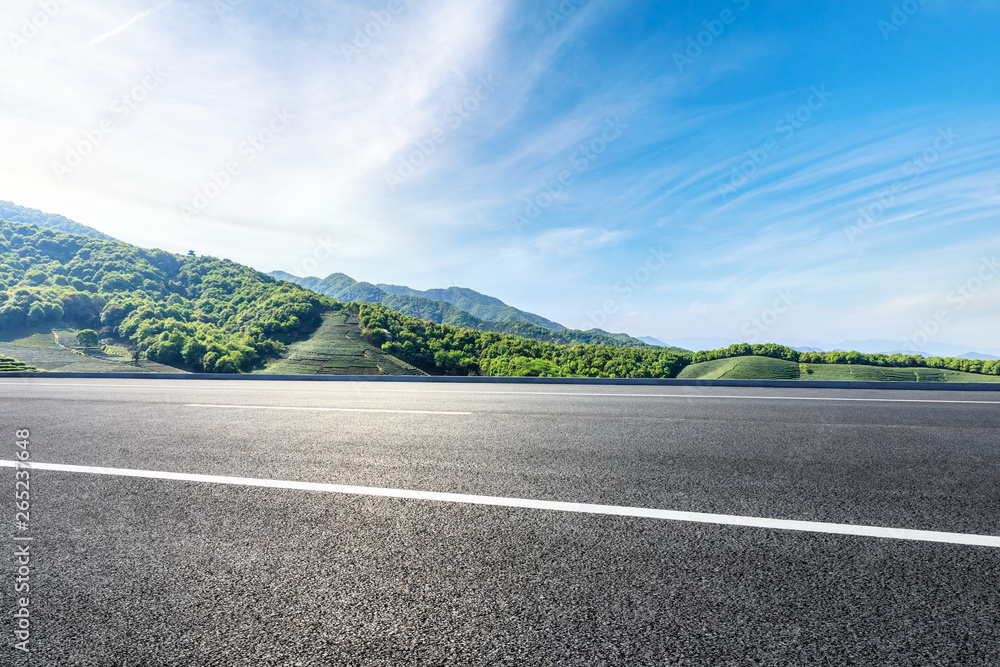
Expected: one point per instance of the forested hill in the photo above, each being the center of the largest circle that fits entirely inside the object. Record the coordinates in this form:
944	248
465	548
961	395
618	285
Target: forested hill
440	348
440	311
449	350
211	314
215	315
484	307
13	213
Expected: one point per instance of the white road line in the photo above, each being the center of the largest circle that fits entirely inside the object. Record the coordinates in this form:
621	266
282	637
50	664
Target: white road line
583	508
346	386
278	407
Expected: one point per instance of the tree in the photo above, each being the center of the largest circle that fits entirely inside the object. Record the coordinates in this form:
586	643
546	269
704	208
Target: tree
35	277
88	338
41	312
193	352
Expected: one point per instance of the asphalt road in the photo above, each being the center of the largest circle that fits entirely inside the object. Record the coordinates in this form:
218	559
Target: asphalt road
151	571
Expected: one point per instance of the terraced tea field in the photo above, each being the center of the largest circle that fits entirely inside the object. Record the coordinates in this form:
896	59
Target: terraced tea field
879	374
742	368
8	365
765	368
337	348
39	349
67	338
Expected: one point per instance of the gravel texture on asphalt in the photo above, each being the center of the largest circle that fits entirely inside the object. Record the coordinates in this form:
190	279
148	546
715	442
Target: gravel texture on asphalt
162	572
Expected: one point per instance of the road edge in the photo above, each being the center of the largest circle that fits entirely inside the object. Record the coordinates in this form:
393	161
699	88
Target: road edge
655	382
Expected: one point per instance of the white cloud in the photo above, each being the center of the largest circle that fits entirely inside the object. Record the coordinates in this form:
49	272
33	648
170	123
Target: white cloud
138	17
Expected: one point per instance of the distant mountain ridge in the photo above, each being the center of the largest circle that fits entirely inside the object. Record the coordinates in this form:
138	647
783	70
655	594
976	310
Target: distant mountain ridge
487	308
444	310
11	212
480	305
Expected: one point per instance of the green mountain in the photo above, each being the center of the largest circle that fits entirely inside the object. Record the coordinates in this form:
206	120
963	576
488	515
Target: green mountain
205	313
448	350
444	306
13	213
211	314
484	307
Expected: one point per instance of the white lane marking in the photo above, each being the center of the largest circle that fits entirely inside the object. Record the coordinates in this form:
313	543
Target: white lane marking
278	407
524	503
347	386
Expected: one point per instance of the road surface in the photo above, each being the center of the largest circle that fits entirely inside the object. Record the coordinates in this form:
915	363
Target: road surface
259	523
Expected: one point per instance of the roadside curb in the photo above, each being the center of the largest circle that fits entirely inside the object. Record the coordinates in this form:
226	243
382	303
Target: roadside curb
647	382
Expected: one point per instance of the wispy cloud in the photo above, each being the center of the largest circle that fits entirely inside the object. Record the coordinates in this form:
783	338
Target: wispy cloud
127	24
357	116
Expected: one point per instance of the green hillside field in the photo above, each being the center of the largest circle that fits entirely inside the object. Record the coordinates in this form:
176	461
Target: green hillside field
40	349
766	368
336	347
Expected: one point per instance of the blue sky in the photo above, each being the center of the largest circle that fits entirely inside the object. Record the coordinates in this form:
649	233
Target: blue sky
738	169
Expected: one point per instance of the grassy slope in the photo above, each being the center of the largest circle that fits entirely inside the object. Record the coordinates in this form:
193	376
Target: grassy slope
336	348
875	373
39	349
742	368
765	368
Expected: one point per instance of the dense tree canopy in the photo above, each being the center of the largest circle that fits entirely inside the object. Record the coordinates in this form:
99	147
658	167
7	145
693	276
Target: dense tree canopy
215	315
453	351
12	212
211	314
